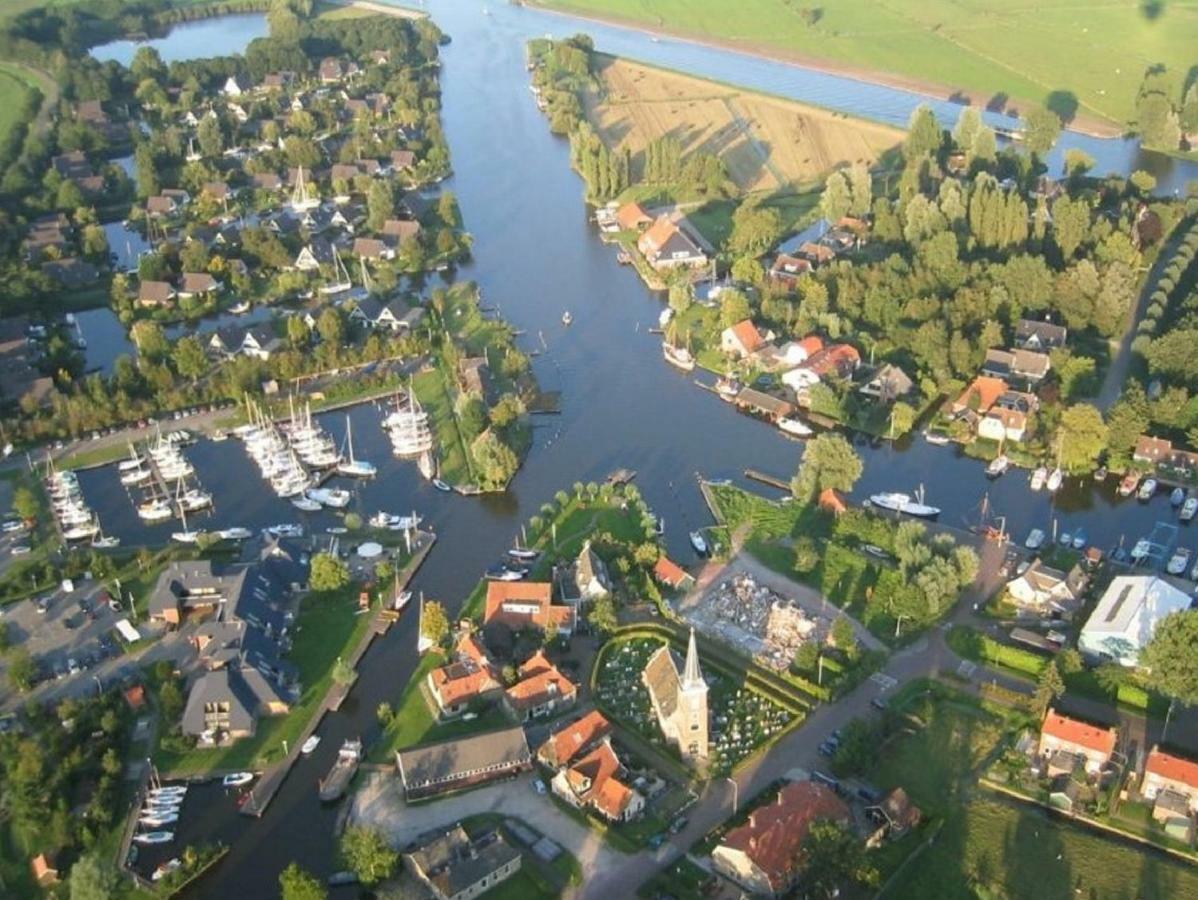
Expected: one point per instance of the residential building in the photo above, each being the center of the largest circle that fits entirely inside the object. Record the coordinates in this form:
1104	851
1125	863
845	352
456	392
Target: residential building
373	249
741	340
542	689
399	231
981	394
1166	773
394	315
671	242
596	781
584	579
889	383
816	254
526	604
894	816
570	742
464	763
763	404
155	293
472	375
834	360
1161	454
1001	424
1026	365
196	284
236	85
45	872
1066	742
1040	336
470	677
632	217
71	272
669	573
454	867
224	705
1043	590
765	854
1126	617
787	270
679	701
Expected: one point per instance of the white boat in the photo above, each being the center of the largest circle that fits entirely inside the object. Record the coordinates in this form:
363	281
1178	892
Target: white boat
1189	509
698	542
441	486
170	790
236	533
195	500
135	476
1055	479
1127	485
310	744
1038	478
1179	561
166	868
402	600
154	511
936	437
240	309
524	554
351	466
307	504
187	536
1141	549
795	427
237	779
679	357
1035	539
286	529
1147	489
664	319
134	462
157	821
162	805
504	574
567	318
154	837
106	542
998	466
903	503
337	498
1178	497
80	532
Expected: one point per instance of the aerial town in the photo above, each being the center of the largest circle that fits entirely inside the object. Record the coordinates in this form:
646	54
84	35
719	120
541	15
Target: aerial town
595	449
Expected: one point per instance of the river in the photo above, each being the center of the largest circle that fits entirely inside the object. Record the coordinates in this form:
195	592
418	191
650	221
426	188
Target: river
536	255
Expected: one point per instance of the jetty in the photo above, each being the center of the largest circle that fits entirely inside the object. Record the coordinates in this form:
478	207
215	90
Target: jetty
766	478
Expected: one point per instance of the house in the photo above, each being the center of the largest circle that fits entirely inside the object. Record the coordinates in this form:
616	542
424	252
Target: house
815	254
1039	336
344	172
1160	453
1042	589
795	353
399	231
260	342
1126	617
979	396
71	272
219	190
887	384
224	705
1001	424
135	696
671	242
277	81
587	577
763	404
632	217
1028	365
570	742
394	315
470	677
402	159
462	764
787	270
330	70
236	85
372	249
45	873
160	205
679	701
834	360
895	816
1062	737
670	573
266	181
1166	773
526	604
72	165
155	293
313	255
196	284
451	866
741	340
765	854
472	375
596	781
541	690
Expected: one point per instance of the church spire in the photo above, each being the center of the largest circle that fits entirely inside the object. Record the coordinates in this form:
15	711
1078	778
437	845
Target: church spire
691	676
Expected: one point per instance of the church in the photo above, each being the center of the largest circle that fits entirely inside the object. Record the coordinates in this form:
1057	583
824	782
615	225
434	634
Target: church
679	702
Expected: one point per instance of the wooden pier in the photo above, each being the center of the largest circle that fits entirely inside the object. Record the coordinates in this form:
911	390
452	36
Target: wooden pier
766	478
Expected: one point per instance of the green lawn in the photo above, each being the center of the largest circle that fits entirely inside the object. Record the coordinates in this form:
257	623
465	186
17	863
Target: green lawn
434	397
329	627
14	93
1023	49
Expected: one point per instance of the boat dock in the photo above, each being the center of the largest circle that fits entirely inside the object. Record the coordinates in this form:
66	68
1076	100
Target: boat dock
766	478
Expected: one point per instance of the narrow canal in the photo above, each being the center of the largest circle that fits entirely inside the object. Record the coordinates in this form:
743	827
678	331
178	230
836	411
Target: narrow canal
536	256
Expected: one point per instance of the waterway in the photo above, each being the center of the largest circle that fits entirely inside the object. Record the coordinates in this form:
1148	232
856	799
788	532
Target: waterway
535	256
192	40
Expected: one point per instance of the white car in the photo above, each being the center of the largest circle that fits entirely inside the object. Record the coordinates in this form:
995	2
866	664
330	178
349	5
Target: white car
20	549
538	786
12	525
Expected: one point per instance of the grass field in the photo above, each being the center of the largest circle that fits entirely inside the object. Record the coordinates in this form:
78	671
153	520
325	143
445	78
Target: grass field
1024	49
766	143
14	92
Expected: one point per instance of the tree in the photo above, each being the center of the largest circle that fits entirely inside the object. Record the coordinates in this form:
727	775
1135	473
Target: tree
434	622
380	204
328	573
837	198
368	854
93	879
331	327
1048	688
343	673
495	461
1081	437
828	462
924	136
298	333
862	187
190	359
1041	128
833	855
150	340
844	636
806	554
1070	224
297	884
1170	659
969	122
212	141
1069	661
21	669
602	615
385	713
755	228
25	503
734	307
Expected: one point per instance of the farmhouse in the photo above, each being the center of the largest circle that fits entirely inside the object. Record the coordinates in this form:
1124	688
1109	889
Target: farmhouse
1065	741
741	340
526	604
671	242
632	217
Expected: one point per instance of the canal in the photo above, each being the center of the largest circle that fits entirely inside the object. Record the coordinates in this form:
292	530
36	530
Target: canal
536	255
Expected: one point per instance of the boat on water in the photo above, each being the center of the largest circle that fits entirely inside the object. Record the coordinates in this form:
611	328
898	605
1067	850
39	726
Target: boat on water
350	465
1035	539
285	529
1080	539
133	462
1147	489
998	466
794	427
172	790
236	533
135	476
309	745
1101	473
727	387
166	868
333	785
337	498
679	357
237	779
1127	486
1179	561
1055	479
187	536
401	600
240	309
80	532
306	504
1141	550
699	542
1189	509
904	504
524	554
441	485
503	572
154	837
936	437
1039	476
1178	497
664	318
567	318
105	542
154	820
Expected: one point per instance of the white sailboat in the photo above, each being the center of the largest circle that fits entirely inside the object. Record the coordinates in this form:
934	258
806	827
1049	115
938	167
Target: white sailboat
351	466
341	281
408	427
300	198
905	503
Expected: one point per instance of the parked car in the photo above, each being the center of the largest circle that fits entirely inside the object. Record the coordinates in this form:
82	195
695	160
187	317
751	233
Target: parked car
11	525
43	604
538	785
878	703
827	748
678	824
20	549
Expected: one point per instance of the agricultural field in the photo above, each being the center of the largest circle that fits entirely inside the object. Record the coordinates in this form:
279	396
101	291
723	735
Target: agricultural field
765	142
1022	50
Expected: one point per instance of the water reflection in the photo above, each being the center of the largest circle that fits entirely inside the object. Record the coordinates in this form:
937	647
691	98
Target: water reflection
190	40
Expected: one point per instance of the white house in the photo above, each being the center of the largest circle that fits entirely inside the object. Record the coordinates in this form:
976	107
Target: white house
1042	589
742	340
1127	615
1167	772
235	86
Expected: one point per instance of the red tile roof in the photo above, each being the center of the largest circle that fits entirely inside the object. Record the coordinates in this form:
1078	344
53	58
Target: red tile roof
507	600
593	779
748	335
136	696
567	743
669	572
774	834
632	216
986	388
1081	734
540	681
1173	768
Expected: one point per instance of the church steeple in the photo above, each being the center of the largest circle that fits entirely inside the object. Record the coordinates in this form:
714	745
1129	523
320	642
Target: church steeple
691	676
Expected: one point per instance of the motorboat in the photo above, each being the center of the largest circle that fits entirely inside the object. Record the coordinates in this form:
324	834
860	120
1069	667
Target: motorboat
664	318
154	511
133	462
286	529
106	542
1189	509
1147	489
1101	473
237	779
171	865
698	542
195	500
309	745
1035	539
1038	478
402	600
1179	561
998	466
795	427
524	554
1065	538
1141	550
336	529
236	533
441	485
1127	486
154	837
1080	539
502	572
80	532
727	387
337	498
903	503
679	357
1055	479
157	821
937	438
306	504
187	536
1178	497
567	318
170	790
162	805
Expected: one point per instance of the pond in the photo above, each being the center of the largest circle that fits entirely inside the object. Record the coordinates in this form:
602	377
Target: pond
192	40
